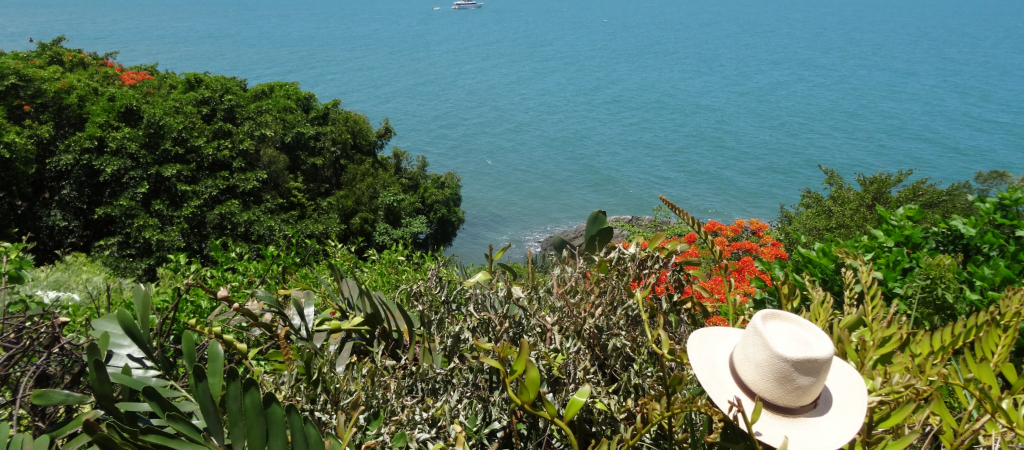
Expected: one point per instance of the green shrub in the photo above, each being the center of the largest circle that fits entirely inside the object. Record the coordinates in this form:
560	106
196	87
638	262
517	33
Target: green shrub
934	273
844	212
135	168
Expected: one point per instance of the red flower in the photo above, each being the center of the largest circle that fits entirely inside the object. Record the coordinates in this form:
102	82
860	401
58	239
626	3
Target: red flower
690	238
27	108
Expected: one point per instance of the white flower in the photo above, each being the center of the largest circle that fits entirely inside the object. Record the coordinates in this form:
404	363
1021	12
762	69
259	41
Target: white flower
49	296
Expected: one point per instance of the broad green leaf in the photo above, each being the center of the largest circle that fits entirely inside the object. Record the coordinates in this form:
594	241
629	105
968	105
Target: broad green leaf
102	388
255	420
295	428
576	402
184	426
897	416
277	428
492	363
530	386
70	427
519	365
50	397
597	220
501	252
653	243
549	407
131	329
215	369
903	442
143	305
188	349
233	404
5	432
314	441
211	413
158	437
756	415
77	442
41	443
160	405
137	382
400	441
481	277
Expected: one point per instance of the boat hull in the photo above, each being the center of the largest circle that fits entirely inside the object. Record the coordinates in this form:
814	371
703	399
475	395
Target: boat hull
467	6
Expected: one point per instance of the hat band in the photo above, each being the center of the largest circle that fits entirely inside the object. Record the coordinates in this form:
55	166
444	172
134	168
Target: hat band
773	407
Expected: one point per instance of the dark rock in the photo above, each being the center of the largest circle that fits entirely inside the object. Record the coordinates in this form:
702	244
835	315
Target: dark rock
575	236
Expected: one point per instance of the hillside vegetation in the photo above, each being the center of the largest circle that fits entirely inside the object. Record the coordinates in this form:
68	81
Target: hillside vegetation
132	164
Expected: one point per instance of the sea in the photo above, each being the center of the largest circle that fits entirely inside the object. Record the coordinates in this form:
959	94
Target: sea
550	109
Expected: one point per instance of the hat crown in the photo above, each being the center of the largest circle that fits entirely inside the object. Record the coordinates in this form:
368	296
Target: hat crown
783	358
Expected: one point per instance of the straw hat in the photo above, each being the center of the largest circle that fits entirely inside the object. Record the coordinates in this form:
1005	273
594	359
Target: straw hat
808	394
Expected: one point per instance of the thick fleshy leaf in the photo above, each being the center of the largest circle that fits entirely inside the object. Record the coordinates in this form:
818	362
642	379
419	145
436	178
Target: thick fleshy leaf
161	438
530	386
50	397
576	402
160	405
68	428
549	407
519	365
211	413
77	442
184	426
102	388
492	363
131	329
188	349
137	383
501	252
142	296
482	277
255	420
233	404
42	443
314	441
295	428
277	431
215	369
5	432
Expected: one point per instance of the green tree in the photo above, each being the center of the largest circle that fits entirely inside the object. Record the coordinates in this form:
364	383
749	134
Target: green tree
843	211
133	163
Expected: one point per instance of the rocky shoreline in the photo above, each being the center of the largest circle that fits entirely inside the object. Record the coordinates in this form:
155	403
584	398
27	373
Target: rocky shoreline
575	235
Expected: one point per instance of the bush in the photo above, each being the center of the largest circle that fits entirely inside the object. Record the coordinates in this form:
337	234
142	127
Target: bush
133	163
844	212
934	273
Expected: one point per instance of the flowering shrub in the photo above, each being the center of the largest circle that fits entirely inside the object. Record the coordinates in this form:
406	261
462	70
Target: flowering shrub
715	267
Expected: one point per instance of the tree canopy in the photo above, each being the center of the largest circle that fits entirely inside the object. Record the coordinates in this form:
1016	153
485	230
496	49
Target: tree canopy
135	163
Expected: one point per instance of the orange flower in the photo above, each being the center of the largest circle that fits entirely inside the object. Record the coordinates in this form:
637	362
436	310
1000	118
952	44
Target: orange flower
690	238
27	108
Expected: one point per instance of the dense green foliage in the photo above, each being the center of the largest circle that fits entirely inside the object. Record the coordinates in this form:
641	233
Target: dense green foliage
843	211
935	273
415	363
132	164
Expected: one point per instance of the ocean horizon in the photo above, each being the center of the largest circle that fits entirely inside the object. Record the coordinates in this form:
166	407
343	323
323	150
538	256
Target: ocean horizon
549	110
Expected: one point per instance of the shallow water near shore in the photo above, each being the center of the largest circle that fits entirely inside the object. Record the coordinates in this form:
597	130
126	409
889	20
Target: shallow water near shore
549	110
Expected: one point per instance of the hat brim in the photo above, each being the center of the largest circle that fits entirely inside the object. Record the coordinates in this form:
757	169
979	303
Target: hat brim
837	419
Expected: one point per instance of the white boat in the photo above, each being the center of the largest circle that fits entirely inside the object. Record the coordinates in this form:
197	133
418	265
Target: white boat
466	4
437	8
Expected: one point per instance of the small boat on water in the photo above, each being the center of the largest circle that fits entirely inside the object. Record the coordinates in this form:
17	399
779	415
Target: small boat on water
437	8
466	4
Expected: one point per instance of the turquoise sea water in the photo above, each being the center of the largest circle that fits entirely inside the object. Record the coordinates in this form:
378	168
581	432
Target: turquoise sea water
550	109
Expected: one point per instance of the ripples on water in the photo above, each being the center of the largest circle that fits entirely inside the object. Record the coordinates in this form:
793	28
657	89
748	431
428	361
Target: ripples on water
549	110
